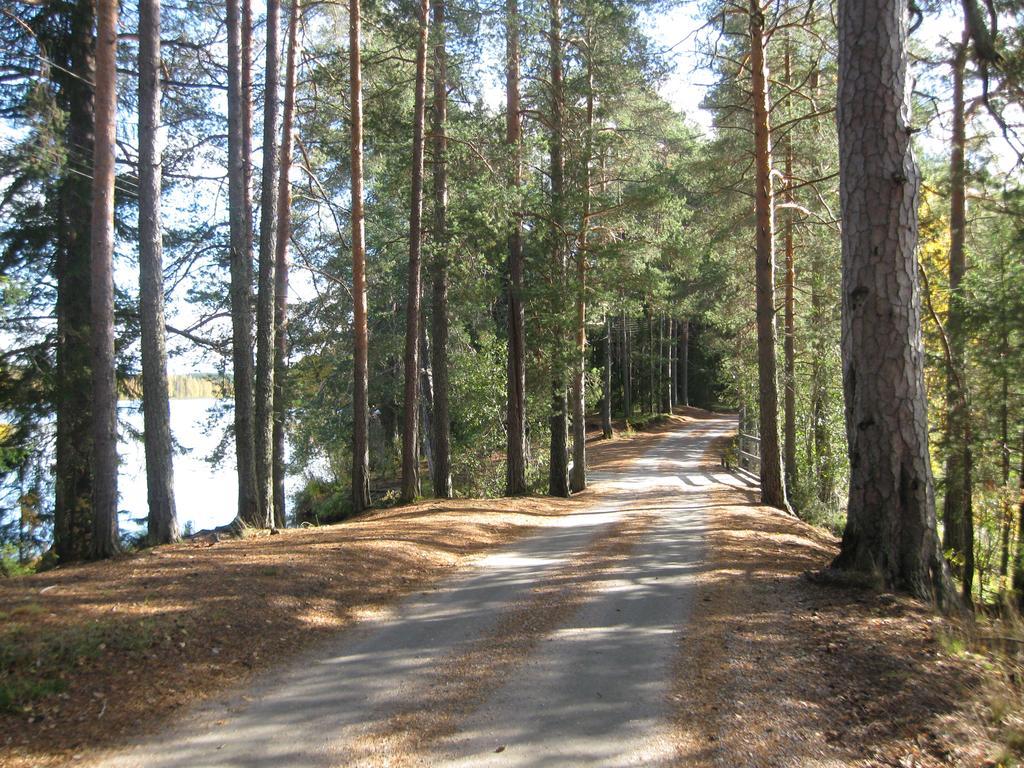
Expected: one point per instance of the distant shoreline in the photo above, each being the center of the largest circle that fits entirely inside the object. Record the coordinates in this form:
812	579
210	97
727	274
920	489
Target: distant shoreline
182	387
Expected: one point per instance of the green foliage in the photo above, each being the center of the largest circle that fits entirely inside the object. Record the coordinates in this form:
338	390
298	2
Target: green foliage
321	503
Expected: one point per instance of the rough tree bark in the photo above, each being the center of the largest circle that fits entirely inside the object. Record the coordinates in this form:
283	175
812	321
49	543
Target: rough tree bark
890	530
773	484
360	382
441	433
515	473
72	514
284	229
558	467
410	424
104	385
266	284
249	512
156	408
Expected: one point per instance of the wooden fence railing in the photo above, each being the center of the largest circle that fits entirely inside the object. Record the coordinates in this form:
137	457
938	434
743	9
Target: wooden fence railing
749	450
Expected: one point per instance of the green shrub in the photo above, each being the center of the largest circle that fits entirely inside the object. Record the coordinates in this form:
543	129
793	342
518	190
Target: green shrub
322	502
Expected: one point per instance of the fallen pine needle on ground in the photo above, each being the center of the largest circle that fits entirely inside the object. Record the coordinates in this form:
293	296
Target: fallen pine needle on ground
94	655
776	669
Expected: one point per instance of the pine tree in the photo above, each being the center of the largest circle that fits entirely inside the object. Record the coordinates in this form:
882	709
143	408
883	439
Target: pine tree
163	518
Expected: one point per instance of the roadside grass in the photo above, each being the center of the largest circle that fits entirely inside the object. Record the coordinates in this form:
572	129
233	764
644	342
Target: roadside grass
34	666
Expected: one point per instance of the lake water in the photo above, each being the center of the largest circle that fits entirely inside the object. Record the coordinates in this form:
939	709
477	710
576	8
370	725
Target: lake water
205	494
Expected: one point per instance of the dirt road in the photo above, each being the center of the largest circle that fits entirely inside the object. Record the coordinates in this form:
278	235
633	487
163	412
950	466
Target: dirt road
556	650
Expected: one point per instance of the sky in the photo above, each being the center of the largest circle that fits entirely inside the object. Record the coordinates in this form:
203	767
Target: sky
676	32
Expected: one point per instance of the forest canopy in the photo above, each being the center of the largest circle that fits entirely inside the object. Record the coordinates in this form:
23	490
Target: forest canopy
424	248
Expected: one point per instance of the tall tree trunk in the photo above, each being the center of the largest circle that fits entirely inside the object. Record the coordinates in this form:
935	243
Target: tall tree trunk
578	476
515	474
684	362
104	385
246	107
627	372
266	284
773	484
822	450
789	340
955	510
606	399
664	364
558	469
1004	420
672	359
72	524
410	438
284	229
441	433
890	529
156	408
426	399
821	447
1018	561
249	512
360	406
652	383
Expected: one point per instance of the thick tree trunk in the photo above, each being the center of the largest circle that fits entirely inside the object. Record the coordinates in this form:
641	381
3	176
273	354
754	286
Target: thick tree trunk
105	540
773	484
249	512
265	304
606	399
890	530
284	229
515	474
72	523
360	382
956	509
441	472
410	437
163	518
558	468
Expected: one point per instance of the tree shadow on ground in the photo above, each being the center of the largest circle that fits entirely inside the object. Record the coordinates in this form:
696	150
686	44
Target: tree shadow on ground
782	671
